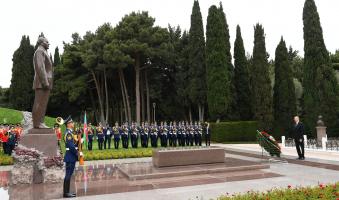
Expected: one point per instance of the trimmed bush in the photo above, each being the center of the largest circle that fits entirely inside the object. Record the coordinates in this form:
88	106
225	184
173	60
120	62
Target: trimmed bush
234	131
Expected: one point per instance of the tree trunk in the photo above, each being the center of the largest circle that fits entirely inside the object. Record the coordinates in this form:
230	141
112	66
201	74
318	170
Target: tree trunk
190	113
129	114
101	106
93	105
147	99
106	92
137	88
199	111
123	93
142	90
202	113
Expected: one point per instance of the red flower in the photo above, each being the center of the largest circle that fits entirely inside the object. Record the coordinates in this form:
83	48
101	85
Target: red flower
289	186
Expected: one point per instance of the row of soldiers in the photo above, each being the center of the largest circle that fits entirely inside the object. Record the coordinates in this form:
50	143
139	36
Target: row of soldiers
9	137
170	135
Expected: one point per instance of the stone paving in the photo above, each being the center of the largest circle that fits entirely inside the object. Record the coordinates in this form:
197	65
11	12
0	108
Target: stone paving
319	167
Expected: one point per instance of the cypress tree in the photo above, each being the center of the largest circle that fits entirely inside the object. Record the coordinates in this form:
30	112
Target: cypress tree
197	63
56	60
261	83
241	79
21	93
284	99
319	82
232	111
218	76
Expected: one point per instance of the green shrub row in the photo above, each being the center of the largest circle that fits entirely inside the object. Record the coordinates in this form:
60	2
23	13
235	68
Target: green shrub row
234	131
117	154
328	192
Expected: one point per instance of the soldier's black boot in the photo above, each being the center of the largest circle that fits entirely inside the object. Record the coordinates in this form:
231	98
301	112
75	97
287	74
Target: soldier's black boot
67	194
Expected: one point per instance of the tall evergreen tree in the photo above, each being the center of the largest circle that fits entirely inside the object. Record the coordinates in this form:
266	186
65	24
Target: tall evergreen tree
21	93
56	60
319	82
241	79
217	67
260	81
284	98
197	69
232	111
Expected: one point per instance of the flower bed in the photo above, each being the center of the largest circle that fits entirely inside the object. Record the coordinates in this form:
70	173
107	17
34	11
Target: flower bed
5	159
321	191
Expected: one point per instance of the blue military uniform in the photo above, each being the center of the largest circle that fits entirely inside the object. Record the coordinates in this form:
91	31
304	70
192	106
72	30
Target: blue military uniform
71	156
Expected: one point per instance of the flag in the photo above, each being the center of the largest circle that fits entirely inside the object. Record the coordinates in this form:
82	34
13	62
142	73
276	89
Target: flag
85	136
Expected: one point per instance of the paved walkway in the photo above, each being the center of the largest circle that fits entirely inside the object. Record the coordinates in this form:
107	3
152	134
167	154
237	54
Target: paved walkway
292	174
319	167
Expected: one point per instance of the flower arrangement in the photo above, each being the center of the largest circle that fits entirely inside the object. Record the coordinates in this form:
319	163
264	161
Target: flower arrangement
267	142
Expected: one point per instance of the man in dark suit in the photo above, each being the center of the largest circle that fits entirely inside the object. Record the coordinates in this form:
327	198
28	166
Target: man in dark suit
298	133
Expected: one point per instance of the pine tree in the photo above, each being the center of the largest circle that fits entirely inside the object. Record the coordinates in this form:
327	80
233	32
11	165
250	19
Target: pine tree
241	79
260	81
21	93
319	82
284	98
56	60
217	65
197	67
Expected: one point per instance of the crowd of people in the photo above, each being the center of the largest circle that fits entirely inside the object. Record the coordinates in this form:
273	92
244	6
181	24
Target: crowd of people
165	134
9	137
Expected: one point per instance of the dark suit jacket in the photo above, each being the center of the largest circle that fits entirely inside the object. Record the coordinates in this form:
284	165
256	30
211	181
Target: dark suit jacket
298	131
43	69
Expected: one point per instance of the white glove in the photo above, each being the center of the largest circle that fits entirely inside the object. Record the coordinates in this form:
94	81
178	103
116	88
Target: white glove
81	154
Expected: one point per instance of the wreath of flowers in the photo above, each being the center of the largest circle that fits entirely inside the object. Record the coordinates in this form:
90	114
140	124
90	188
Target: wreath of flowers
271	145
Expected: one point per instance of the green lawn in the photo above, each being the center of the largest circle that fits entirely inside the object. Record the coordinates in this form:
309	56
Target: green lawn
10	116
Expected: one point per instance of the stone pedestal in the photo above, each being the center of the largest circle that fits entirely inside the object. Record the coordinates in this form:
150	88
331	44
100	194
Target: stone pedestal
43	140
37	158
195	156
321	133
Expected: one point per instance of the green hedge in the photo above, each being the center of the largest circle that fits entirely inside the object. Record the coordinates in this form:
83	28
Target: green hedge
234	131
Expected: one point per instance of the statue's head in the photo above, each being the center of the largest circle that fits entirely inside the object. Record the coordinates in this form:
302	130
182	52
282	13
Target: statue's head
43	42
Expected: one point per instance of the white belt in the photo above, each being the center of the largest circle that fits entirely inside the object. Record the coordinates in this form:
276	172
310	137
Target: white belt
67	149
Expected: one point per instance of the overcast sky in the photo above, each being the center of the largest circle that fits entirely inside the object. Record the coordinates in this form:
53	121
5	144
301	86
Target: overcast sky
59	19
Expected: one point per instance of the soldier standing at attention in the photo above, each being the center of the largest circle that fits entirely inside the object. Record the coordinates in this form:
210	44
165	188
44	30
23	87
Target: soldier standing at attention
57	131
116	135
100	136
71	156
90	137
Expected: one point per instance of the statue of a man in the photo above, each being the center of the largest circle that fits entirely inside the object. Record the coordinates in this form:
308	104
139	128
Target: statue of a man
43	82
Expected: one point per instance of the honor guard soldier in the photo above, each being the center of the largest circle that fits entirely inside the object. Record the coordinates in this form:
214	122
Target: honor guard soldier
90	137
100	136
170	134
147	132
183	134
179	134
174	134
207	133
71	156
116	135
11	140
124	136
134	136
199	134
154	135
141	131
191	133
108	137
195	130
